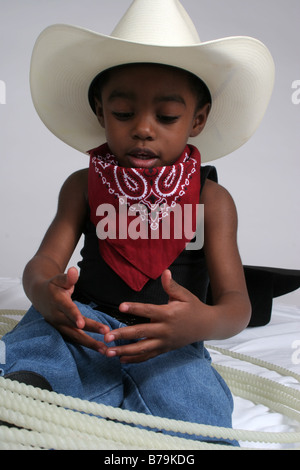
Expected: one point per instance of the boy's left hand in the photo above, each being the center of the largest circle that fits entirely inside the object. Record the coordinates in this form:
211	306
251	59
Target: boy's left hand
171	326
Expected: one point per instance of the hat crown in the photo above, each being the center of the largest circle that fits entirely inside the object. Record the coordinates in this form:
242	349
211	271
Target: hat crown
157	22
238	71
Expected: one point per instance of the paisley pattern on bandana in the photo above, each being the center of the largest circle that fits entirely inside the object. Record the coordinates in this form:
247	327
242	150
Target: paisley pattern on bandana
153	193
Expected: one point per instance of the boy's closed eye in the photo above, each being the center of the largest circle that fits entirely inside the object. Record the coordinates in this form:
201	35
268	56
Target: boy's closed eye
165	119
121	116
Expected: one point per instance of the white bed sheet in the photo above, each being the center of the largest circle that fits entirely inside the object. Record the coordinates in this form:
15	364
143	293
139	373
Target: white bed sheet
277	343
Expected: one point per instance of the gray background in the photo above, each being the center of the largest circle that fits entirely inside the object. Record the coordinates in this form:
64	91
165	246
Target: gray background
262	176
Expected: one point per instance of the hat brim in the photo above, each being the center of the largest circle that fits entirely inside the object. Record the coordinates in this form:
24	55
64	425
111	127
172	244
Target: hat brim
239	72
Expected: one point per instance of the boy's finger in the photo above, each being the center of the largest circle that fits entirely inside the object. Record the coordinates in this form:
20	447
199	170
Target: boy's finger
72	312
139	309
72	275
83	339
174	290
95	327
135	352
134	332
66	280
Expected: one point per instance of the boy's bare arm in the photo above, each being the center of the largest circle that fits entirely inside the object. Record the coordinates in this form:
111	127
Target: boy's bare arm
185	319
232	306
60	239
45	282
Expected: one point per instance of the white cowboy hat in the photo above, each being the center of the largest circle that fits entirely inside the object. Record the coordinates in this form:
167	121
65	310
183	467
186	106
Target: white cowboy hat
238	71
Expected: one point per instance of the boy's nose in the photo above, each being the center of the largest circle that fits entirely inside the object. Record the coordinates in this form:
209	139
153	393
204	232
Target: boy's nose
143	129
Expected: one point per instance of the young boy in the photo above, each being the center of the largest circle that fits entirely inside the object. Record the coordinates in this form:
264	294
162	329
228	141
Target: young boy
129	331
148	112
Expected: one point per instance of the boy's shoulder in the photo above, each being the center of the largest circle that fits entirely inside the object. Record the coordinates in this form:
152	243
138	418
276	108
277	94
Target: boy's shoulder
79	175
213	190
217	199
76	183
78	178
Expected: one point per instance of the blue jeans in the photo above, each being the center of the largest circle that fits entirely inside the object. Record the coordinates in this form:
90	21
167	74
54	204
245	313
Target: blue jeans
180	384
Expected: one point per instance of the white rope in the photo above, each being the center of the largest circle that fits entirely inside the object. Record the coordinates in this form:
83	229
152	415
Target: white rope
55	421
59	422
23	399
277	397
258	362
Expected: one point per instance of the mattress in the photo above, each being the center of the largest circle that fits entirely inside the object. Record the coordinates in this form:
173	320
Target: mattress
277	343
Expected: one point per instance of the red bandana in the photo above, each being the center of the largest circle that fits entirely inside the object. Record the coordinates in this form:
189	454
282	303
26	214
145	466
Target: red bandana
139	213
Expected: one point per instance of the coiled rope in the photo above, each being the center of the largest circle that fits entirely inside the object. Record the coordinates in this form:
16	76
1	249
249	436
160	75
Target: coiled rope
48	420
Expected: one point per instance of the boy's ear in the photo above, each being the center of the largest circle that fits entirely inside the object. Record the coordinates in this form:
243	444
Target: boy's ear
99	112
200	120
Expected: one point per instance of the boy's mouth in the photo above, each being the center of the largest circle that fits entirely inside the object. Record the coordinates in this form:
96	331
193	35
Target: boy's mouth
142	158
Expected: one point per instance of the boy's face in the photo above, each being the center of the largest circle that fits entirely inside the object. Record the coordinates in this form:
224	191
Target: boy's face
148	113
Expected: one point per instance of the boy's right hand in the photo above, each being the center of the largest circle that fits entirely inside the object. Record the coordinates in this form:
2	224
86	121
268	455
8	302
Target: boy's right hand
63	314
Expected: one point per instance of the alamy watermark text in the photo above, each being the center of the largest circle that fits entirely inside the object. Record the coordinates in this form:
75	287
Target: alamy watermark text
296	93
161	222
296	353
2	92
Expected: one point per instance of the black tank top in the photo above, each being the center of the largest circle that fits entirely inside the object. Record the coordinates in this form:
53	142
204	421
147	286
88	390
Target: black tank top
99	284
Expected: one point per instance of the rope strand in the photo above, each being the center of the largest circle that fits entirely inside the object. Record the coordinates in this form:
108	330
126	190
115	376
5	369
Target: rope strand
55	421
